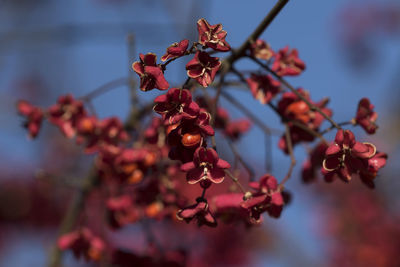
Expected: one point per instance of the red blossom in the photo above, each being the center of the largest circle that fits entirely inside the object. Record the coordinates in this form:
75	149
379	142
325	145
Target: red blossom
288	63
267	197
83	242
34	116
199	211
151	75
203	68
66	114
206	165
176	50
366	116
185	137
228	207
263	87
109	131
261	49
346	156
212	36
176	105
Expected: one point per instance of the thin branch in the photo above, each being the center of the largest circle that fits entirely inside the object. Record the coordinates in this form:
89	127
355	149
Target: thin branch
236	181
105	88
241	160
91	107
249	114
268	154
292	158
131	54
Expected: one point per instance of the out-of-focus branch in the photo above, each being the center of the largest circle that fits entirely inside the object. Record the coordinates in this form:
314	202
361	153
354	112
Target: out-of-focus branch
236	181
105	88
292	158
72	215
241	160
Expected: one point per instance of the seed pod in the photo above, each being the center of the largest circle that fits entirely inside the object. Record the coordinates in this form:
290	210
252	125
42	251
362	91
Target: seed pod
191	139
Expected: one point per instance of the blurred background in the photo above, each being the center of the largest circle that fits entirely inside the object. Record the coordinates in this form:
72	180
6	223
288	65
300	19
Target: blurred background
351	49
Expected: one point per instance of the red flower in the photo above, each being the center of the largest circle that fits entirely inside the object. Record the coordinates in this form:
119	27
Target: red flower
263	87
346	156
375	163
203	68
34	117
212	36
366	117
262	50
188	135
176	50
199	211
109	131
206	165
267	198
228	207
151	75
82	242
176	105
288	63
66	114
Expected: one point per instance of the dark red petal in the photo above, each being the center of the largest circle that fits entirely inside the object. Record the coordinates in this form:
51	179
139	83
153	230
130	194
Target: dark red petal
332	150
161	98
223	164
254	201
363	150
150	59
195	175
339	137
277	199
138	67
216	175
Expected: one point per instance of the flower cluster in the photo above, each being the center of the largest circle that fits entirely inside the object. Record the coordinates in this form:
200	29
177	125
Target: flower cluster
141	176
346	157
267	197
73	120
